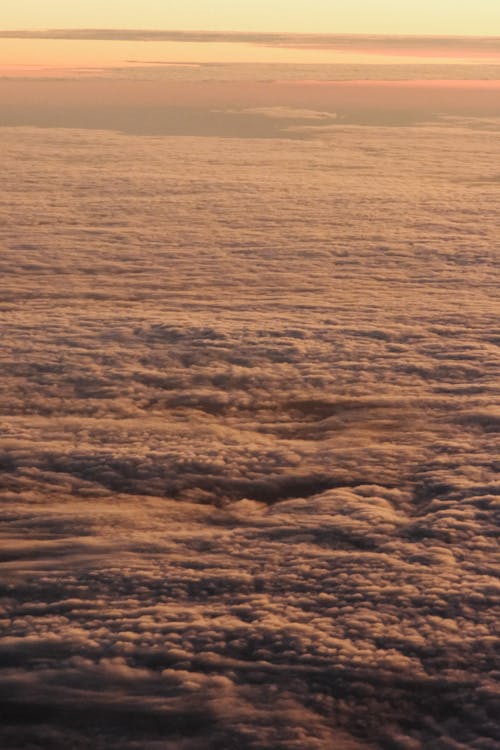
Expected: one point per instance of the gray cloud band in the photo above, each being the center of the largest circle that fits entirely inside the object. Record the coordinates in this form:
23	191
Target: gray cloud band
373	43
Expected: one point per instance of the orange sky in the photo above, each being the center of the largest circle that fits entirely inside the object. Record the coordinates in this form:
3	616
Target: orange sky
88	52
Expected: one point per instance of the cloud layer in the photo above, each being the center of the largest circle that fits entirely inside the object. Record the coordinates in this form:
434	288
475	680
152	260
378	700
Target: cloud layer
439	45
242	109
249	461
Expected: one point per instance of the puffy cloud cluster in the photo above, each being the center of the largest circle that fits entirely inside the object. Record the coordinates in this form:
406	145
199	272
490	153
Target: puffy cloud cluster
249	452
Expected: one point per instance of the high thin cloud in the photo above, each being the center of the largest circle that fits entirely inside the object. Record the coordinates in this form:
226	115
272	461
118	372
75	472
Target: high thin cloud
249	452
439	45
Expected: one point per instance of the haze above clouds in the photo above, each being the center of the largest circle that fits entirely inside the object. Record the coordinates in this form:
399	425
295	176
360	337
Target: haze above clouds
224	100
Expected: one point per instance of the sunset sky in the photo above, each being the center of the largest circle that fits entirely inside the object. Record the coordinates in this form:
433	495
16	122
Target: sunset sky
357	16
360	17
250	364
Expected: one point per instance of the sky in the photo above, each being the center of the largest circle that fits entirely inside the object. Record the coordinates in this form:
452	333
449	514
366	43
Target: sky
94	39
250	363
462	19
470	17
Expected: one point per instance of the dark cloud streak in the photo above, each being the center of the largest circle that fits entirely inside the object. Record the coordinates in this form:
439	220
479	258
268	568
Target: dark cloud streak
369	43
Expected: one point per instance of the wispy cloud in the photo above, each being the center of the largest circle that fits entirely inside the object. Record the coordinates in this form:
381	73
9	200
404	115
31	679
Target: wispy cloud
285	113
415	45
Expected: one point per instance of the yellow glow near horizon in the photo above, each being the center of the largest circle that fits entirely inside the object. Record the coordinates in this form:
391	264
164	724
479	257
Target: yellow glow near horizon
83	53
396	17
454	17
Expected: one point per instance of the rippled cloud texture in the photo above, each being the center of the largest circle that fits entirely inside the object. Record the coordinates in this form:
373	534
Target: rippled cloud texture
249	452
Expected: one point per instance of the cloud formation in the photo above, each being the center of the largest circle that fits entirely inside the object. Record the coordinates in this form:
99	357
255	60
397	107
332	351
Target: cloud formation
236	109
393	44
249	459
